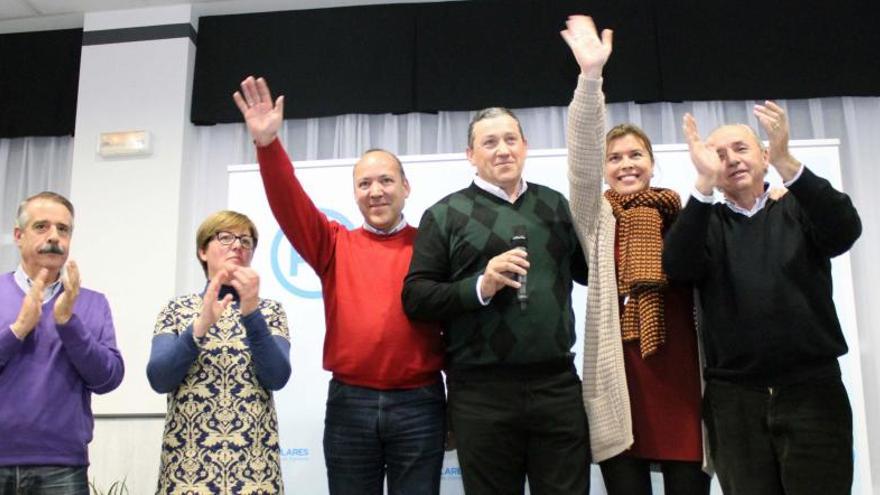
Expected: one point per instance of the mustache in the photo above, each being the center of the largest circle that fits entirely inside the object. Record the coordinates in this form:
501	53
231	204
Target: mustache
50	248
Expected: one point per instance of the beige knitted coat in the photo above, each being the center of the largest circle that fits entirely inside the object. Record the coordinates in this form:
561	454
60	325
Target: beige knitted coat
605	392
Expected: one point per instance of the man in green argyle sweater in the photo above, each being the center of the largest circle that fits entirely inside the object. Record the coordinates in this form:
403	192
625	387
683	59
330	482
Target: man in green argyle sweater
495	263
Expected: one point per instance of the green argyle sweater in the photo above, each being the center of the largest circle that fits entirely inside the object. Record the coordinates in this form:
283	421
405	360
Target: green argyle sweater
457	238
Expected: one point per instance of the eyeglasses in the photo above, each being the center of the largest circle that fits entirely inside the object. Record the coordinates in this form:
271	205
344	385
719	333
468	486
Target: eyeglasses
228	238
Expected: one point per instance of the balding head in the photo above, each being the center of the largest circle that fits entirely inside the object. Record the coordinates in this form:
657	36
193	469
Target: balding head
384	152
742	127
380	188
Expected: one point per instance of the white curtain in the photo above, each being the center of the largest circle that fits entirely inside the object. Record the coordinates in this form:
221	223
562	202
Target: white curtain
30	165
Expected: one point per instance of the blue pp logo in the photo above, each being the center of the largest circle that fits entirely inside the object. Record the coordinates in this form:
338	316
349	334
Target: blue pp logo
291	270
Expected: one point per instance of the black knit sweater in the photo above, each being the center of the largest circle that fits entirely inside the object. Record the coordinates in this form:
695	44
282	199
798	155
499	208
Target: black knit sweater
764	282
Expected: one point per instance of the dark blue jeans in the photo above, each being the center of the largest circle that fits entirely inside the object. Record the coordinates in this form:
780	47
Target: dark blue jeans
788	440
370	433
43	480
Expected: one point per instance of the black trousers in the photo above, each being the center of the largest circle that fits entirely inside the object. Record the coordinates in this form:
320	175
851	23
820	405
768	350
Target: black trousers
791	440
509	429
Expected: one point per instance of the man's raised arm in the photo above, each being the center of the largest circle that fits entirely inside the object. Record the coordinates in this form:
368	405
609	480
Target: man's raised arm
307	229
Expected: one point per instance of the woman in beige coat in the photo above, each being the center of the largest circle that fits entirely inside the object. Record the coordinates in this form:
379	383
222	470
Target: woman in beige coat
641	380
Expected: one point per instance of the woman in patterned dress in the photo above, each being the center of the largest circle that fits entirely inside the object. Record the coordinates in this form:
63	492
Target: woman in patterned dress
218	355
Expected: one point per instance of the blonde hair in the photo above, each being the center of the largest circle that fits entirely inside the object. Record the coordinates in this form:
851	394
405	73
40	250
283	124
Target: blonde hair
623	130
220	221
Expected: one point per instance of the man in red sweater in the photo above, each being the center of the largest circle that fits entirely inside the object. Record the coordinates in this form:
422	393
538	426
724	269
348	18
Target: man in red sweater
385	404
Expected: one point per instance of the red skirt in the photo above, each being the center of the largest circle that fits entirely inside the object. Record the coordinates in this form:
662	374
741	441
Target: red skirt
664	388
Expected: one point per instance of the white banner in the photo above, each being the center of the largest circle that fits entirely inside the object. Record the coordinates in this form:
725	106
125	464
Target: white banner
288	279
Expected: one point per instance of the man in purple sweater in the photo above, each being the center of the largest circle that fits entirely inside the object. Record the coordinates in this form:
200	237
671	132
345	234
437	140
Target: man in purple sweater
57	346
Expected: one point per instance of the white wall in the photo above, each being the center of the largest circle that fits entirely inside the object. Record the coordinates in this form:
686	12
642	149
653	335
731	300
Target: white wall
128	208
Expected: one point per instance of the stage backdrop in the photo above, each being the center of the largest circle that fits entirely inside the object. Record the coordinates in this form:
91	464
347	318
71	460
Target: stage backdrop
286	278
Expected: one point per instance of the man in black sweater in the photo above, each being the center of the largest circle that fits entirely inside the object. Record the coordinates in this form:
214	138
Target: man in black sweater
777	413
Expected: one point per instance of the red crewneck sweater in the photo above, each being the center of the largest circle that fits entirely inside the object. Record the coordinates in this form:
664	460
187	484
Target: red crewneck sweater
370	342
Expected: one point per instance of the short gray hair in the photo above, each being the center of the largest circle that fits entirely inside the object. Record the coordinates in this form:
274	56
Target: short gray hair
21	218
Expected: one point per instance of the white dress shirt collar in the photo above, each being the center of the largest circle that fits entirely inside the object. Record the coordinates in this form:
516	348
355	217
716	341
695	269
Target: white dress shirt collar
498	191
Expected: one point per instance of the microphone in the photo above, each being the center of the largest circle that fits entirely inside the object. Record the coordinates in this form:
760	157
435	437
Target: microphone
521	240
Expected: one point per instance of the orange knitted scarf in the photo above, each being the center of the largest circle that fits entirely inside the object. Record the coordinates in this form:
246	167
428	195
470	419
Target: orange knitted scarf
641	219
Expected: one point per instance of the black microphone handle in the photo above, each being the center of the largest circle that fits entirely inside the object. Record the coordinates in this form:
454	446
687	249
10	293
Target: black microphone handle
522	293
520	240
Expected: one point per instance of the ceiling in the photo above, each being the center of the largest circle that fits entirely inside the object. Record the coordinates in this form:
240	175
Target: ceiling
33	15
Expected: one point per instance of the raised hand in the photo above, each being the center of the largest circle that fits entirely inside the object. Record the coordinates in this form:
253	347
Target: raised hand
499	270
263	117
705	159
590	52
211	307
64	304
775	123
31	307
246	282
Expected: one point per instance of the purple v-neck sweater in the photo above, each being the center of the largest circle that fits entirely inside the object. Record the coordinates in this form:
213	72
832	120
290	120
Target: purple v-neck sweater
46	381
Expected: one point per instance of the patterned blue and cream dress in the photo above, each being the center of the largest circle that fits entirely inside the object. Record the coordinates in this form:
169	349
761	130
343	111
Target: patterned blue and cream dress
221	429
